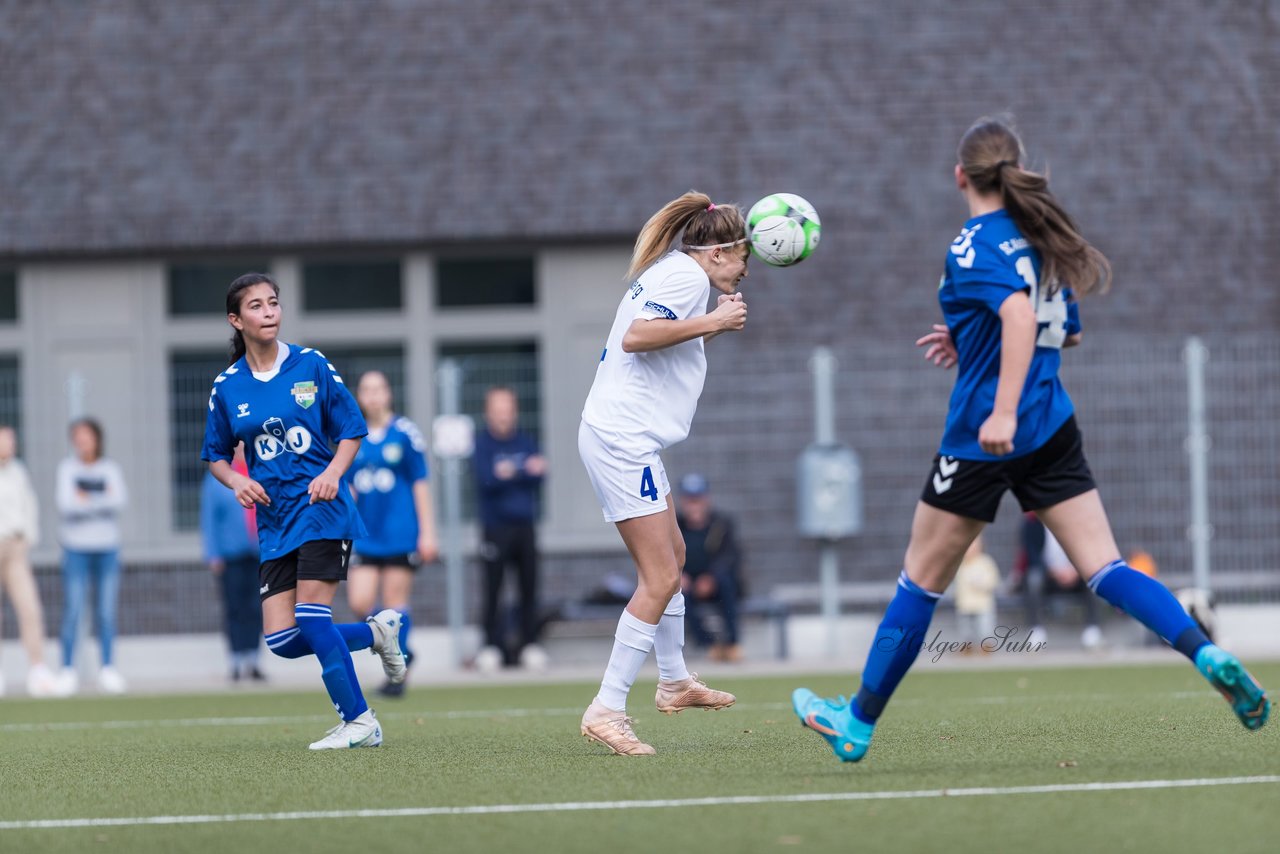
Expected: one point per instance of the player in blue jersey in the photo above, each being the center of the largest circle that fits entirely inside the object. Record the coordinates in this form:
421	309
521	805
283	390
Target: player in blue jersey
287	404
393	495
1008	302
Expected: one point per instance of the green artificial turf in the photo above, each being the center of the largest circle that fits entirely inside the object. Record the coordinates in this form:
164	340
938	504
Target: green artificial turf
117	757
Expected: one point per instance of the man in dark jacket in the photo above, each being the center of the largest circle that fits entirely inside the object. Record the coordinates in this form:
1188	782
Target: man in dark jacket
712	568
509	471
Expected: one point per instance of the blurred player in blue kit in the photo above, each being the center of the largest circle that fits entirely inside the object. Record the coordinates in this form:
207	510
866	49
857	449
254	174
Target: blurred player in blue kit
1008	301
287	404
393	494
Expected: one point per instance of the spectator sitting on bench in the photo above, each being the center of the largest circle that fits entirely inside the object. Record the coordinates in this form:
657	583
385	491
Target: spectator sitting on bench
711	568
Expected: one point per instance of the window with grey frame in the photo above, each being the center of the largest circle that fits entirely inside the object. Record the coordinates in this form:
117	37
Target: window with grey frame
191	376
11	394
513	364
8	295
199	289
355	285
485	282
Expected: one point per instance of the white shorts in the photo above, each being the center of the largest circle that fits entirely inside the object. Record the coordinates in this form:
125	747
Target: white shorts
626	486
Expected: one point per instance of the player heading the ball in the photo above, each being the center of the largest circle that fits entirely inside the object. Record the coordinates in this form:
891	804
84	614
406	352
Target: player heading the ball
645	393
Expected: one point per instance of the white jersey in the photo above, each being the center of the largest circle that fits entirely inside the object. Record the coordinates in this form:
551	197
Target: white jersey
644	402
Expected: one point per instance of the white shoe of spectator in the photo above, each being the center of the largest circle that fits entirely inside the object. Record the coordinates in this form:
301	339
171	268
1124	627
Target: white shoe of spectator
489	660
1091	637
41	682
534	657
111	682
1037	635
67	683
1	684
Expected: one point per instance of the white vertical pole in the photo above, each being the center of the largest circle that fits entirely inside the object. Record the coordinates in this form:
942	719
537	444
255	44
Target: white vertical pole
449	377
1200	531
823	366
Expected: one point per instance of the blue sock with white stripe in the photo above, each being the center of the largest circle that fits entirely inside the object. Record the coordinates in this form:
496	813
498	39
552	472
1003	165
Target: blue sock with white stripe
898	641
288	643
1150	603
315	622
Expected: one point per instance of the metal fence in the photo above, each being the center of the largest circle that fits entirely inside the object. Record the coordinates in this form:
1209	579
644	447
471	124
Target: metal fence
484	366
1131	398
756	417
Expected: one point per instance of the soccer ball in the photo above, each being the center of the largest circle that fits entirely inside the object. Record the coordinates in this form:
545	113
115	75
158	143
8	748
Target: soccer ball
784	229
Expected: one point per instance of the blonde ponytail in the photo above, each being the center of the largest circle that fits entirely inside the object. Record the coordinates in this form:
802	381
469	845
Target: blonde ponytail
702	222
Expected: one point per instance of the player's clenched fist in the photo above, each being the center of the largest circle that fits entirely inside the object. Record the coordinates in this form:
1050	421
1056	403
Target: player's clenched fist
730	314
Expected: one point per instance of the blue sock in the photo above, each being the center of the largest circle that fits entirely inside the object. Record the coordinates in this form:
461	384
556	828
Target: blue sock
406	626
1150	603
357	635
288	643
897	643
316	625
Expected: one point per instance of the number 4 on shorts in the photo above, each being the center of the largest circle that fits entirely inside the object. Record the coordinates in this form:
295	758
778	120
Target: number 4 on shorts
648	489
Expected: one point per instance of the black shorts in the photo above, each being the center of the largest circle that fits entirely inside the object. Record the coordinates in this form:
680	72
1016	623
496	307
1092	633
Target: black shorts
1049	475
409	561
317	560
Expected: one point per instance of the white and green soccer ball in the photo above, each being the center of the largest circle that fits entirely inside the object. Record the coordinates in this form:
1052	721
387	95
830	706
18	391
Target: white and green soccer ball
784	229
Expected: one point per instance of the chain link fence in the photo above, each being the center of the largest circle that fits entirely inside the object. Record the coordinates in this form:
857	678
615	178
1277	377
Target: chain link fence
756	417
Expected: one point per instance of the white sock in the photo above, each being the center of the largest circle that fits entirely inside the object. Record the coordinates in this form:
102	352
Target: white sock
631	645
668	644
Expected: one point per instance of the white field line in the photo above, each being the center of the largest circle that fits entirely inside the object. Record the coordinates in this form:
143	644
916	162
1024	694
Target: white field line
484	714
672	803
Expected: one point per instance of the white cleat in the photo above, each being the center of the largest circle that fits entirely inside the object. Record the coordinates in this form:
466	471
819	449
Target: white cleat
386	644
111	682
364	731
41	682
68	683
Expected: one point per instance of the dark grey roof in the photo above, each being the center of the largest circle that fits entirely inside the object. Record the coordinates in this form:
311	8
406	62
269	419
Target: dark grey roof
143	126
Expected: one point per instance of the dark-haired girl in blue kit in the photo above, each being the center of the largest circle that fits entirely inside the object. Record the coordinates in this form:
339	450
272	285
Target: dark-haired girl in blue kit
1008	301
287	403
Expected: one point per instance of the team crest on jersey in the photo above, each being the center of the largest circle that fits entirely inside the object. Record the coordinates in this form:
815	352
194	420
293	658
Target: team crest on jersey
304	393
392	453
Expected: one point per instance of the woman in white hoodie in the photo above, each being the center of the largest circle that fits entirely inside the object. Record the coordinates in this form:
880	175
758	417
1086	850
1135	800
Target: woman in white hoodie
90	495
19	530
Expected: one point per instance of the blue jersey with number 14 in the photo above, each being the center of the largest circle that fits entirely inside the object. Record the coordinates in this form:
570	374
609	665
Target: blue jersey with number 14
989	262
286	419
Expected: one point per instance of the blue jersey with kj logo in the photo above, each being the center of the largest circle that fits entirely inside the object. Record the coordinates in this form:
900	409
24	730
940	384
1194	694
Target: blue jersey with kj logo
989	262
287	418
383	475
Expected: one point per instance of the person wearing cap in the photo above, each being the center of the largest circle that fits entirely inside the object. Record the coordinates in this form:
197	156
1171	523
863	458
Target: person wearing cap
711	568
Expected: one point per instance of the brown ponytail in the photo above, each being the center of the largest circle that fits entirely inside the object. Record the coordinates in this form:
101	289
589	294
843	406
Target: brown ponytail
990	155
703	223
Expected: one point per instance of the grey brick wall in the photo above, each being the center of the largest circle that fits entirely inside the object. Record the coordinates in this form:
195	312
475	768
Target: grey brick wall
144	128
134	126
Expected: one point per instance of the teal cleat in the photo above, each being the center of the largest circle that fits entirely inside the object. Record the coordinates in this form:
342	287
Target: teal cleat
849	737
1225	672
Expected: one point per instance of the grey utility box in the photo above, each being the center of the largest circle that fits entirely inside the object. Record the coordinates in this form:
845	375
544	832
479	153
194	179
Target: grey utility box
829	505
